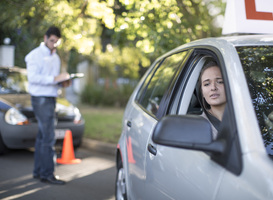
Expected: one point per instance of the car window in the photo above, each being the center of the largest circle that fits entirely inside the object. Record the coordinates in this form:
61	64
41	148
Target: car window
146	82
189	104
257	64
12	82
193	102
158	81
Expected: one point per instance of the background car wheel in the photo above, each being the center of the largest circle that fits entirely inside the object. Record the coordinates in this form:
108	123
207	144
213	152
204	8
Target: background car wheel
120	183
3	148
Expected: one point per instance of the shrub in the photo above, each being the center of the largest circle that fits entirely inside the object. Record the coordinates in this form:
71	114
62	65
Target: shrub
97	95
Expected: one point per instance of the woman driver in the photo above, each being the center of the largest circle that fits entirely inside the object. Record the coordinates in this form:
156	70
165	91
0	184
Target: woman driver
213	95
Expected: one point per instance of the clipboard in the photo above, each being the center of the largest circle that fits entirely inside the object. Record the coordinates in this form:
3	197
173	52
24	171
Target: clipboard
71	77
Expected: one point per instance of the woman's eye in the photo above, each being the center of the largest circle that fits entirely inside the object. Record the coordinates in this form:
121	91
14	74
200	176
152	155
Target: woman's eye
206	84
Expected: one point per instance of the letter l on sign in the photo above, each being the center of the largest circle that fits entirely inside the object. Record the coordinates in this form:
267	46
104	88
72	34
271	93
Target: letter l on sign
252	13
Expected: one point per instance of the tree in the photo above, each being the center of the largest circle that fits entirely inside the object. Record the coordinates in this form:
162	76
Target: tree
157	26
25	22
122	36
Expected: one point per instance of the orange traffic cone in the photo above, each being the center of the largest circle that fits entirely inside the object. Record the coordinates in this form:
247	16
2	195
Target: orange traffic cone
68	156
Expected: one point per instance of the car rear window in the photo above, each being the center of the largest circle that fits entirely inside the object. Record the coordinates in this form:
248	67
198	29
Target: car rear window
257	62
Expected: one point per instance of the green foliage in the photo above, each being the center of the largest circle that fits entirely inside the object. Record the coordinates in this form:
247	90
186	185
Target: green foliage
102	96
122	37
81	22
103	124
125	62
156	26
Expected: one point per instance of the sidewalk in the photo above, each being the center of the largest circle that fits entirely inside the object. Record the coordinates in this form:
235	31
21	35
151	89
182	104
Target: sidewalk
99	146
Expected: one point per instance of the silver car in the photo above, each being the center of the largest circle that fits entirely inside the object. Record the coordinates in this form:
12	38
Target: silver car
166	149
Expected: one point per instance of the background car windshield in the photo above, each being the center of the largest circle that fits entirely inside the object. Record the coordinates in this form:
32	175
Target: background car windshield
257	63
12	82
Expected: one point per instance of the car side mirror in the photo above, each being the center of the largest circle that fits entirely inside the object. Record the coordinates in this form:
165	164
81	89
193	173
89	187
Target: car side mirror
187	132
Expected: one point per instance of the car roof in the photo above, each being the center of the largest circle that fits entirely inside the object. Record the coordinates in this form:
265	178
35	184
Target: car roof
241	40
226	42
247	40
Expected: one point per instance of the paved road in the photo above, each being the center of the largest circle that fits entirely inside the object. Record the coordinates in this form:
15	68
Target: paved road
93	178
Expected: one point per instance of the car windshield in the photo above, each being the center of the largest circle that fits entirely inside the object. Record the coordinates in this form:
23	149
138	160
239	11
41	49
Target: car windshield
12	82
257	62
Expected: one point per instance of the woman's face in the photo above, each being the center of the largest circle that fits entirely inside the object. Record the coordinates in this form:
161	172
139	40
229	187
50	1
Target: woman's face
212	86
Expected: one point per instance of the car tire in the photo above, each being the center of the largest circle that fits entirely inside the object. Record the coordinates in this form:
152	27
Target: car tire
120	190
3	148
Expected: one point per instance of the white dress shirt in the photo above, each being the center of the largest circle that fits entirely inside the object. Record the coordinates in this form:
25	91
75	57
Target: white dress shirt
42	67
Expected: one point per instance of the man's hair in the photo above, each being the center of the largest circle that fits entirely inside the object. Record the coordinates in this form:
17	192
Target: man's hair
53	30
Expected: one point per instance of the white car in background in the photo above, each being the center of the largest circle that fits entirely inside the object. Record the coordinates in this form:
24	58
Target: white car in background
166	150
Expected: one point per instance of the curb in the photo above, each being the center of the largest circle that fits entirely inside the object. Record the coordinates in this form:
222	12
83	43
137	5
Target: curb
99	146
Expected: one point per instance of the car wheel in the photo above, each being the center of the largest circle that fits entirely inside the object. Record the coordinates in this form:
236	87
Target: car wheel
120	182
3	148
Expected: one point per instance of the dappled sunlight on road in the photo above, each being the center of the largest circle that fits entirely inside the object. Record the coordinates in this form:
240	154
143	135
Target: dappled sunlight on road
19	187
87	167
93	178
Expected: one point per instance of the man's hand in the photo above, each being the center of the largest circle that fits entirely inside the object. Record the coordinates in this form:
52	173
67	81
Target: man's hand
66	83
62	77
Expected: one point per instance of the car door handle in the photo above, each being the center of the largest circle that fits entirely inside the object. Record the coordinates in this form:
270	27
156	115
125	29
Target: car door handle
152	149
129	123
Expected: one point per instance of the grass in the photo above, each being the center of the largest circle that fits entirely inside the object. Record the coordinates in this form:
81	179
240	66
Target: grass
102	124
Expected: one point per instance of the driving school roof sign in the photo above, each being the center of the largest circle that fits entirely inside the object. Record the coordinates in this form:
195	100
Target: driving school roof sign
248	16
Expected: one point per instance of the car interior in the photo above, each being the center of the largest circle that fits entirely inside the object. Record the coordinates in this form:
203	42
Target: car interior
195	106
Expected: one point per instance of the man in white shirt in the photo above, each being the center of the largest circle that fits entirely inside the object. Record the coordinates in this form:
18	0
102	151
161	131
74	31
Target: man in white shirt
43	71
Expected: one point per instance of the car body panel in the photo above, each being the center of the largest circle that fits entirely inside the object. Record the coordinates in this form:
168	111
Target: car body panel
135	150
136	146
255	182
189	176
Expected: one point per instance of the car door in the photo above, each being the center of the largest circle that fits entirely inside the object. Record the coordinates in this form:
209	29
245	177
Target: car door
148	103
175	173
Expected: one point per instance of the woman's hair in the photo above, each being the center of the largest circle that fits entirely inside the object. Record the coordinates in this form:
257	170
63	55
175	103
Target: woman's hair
209	63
